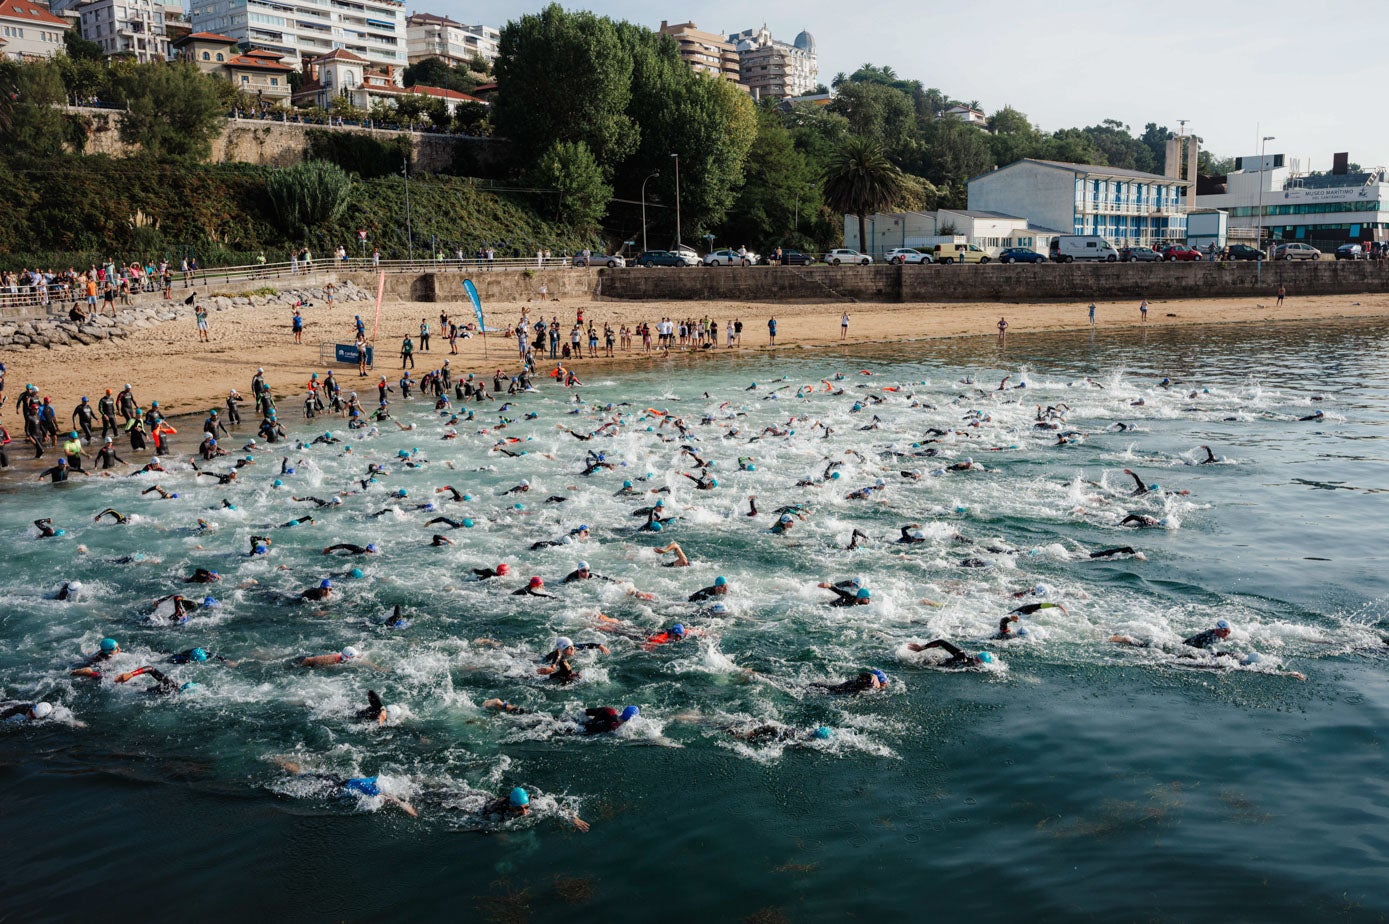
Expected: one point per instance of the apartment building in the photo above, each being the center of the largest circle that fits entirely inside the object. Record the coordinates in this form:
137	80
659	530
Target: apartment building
774	69
29	32
127	27
704	51
301	29
431	36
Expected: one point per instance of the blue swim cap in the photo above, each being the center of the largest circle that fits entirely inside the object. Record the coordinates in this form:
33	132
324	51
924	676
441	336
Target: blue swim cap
357	573
261	549
823	733
63	532
190	685
403	454
627	484
863	593
279	483
834	476
630	713
109	644
519	798
720	581
1222	625
289	471
518	506
882	678
719	609
362	785
402	493
468	522
986	658
713	482
677	630
325	583
467	497
210	602
198	654
656	526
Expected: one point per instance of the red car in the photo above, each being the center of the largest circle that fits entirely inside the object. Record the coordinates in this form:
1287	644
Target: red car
1179	252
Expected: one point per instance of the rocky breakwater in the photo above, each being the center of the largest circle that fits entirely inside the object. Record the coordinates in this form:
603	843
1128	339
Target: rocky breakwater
58	330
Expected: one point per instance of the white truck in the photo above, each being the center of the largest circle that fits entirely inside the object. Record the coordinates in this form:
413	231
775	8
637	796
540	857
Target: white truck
1067	248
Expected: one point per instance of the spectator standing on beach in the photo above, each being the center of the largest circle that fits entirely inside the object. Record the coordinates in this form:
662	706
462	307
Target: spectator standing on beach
1282	294
738	330
407	352
424	336
771	331
1143	310
200	316
296	324
1002	328
1092	314
844	325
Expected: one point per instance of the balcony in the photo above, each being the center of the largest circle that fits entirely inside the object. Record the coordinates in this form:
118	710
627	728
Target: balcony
1128	207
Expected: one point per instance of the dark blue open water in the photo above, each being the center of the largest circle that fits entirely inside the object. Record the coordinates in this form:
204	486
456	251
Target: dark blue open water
1073	780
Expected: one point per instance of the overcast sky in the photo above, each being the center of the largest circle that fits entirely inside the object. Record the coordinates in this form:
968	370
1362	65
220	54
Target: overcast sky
1303	71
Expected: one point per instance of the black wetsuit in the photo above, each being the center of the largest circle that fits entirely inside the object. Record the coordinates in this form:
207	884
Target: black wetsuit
860	684
602	719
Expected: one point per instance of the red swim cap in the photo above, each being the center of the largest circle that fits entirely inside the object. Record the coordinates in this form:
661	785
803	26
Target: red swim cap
537	582
503	568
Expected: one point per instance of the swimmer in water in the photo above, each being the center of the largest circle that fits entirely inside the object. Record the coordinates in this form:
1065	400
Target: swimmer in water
46	528
848	593
1319	415
854	540
517	805
534	588
1120	550
440	540
1210	456
603	720
25	712
1142	521
558	665
368	549
680	560
197	656
957	659
1005	627
866	682
321	593
1027	609
1141	488
348	655
718	589
770	733
89	667
350	787
486	574
912	534
202	576
377	711
163	684
117	517
183	608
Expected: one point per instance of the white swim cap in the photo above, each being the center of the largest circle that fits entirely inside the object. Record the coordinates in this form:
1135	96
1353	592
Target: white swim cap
42	710
349	653
74	587
393	712
562	643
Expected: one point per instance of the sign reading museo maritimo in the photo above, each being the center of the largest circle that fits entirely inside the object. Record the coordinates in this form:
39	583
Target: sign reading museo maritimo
1337	193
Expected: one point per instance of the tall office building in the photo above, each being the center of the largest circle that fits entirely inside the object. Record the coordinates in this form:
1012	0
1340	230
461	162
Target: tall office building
130	27
302	29
704	51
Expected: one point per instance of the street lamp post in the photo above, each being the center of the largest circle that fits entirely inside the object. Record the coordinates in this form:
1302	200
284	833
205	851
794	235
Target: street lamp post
1259	212
677	200
409	229
643	209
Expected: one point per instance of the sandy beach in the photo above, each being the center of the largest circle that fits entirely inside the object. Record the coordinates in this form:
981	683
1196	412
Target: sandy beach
166	362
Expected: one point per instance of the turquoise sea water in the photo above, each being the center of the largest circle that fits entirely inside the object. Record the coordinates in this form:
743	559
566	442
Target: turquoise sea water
1072	779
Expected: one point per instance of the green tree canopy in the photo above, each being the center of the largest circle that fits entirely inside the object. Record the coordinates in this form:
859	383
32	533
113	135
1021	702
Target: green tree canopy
172	110
860	180
878	111
570	168
781	189
308	194
30	123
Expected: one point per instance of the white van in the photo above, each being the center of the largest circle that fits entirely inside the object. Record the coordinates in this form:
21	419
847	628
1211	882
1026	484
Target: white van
1068	248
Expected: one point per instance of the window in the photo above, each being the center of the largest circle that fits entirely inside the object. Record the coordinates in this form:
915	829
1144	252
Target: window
274	81
219	56
207	57
245	80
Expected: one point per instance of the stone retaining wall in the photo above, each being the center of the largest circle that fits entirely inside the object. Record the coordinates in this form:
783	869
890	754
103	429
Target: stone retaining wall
496	286
993	282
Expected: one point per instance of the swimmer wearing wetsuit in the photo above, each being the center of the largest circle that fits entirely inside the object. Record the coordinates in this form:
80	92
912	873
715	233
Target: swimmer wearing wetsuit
600	720
718	589
534	588
958	658
163	684
486	574
852	595
1027	609
865	682
368	549
1121	550
118	518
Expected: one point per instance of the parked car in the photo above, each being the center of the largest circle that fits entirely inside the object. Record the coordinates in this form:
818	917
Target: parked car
1067	248
1180	252
1020	255
1350	252
960	253
1244	252
729	258
899	255
612	261
663	258
845	255
1139	255
794	258
688	253
1296	251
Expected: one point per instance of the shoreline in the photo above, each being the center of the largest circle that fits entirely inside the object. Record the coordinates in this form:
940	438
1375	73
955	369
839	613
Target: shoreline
165	362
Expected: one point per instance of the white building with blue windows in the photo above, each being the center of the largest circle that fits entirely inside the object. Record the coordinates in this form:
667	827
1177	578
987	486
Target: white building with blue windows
1126	207
304	29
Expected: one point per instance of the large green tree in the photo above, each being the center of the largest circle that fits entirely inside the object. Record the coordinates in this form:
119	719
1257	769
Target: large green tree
860	180
780	193
308	194
878	111
30	122
172	110
569	168
564	77
951	153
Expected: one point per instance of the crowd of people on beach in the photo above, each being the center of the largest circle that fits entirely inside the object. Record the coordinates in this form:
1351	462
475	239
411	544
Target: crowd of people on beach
228	449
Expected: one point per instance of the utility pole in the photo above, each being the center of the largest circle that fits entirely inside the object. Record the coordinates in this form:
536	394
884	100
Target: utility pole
1259	212
643	209
677	201
409	229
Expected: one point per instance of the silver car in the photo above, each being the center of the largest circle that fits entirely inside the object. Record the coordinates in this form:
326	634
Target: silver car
1296	251
597	259
729	258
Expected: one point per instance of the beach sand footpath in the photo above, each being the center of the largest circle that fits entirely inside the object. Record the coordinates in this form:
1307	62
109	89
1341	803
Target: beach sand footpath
165	362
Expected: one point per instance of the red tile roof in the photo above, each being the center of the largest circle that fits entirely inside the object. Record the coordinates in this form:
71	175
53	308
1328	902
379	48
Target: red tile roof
207	37
259	60
30	12
443	93
338	54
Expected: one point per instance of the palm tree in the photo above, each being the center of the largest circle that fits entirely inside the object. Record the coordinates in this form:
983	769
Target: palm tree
860	180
